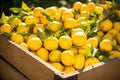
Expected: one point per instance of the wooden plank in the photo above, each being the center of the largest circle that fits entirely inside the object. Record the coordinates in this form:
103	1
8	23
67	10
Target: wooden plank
9	73
107	71
29	64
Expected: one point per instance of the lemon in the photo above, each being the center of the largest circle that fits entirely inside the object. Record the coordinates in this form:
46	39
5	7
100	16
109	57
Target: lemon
30	36
54	26
37	12
91	61
113	31
67	14
116	25
16	21
34	43
74	30
65	42
67	58
117	37
24	45
106	25
93	41
22	28
70	23
69	69
55	55
44	20
79	38
108	36
51	43
18	38
5	28
58	66
38	26
74	50
106	45
91	6
43	53
79	61
100	34
32	20
77	5
114	54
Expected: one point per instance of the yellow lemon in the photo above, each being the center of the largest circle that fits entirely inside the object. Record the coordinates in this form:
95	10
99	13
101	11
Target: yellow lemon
100	34
113	31
34	43
16	21
43	53
108	36
32	20
65	42
91	6
58	66
117	37
54	26
116	25
5	28
79	38
106	25
37	12
51	43
55	55
77	5
93	41
18	38
67	14
114	54
69	69
38	26
70	23
24	45
76	30
79	61
30	36
74	50
22	28
91	61
106	45
44	20
67	58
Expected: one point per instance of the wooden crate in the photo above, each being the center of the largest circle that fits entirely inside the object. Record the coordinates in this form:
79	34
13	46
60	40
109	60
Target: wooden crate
8	72
35	68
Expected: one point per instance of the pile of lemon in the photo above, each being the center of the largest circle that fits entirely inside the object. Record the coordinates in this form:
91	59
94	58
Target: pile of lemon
69	39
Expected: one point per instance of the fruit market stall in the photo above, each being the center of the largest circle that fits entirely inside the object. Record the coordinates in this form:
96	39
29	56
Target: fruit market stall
78	43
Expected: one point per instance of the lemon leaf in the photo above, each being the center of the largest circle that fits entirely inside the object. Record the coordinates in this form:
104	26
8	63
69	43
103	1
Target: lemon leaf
7	35
25	6
89	51
15	10
48	16
42	35
4	18
105	13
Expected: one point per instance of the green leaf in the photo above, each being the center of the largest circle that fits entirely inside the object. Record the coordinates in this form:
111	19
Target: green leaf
4	18
7	35
48	16
25	7
89	51
105	13
15	10
42	35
